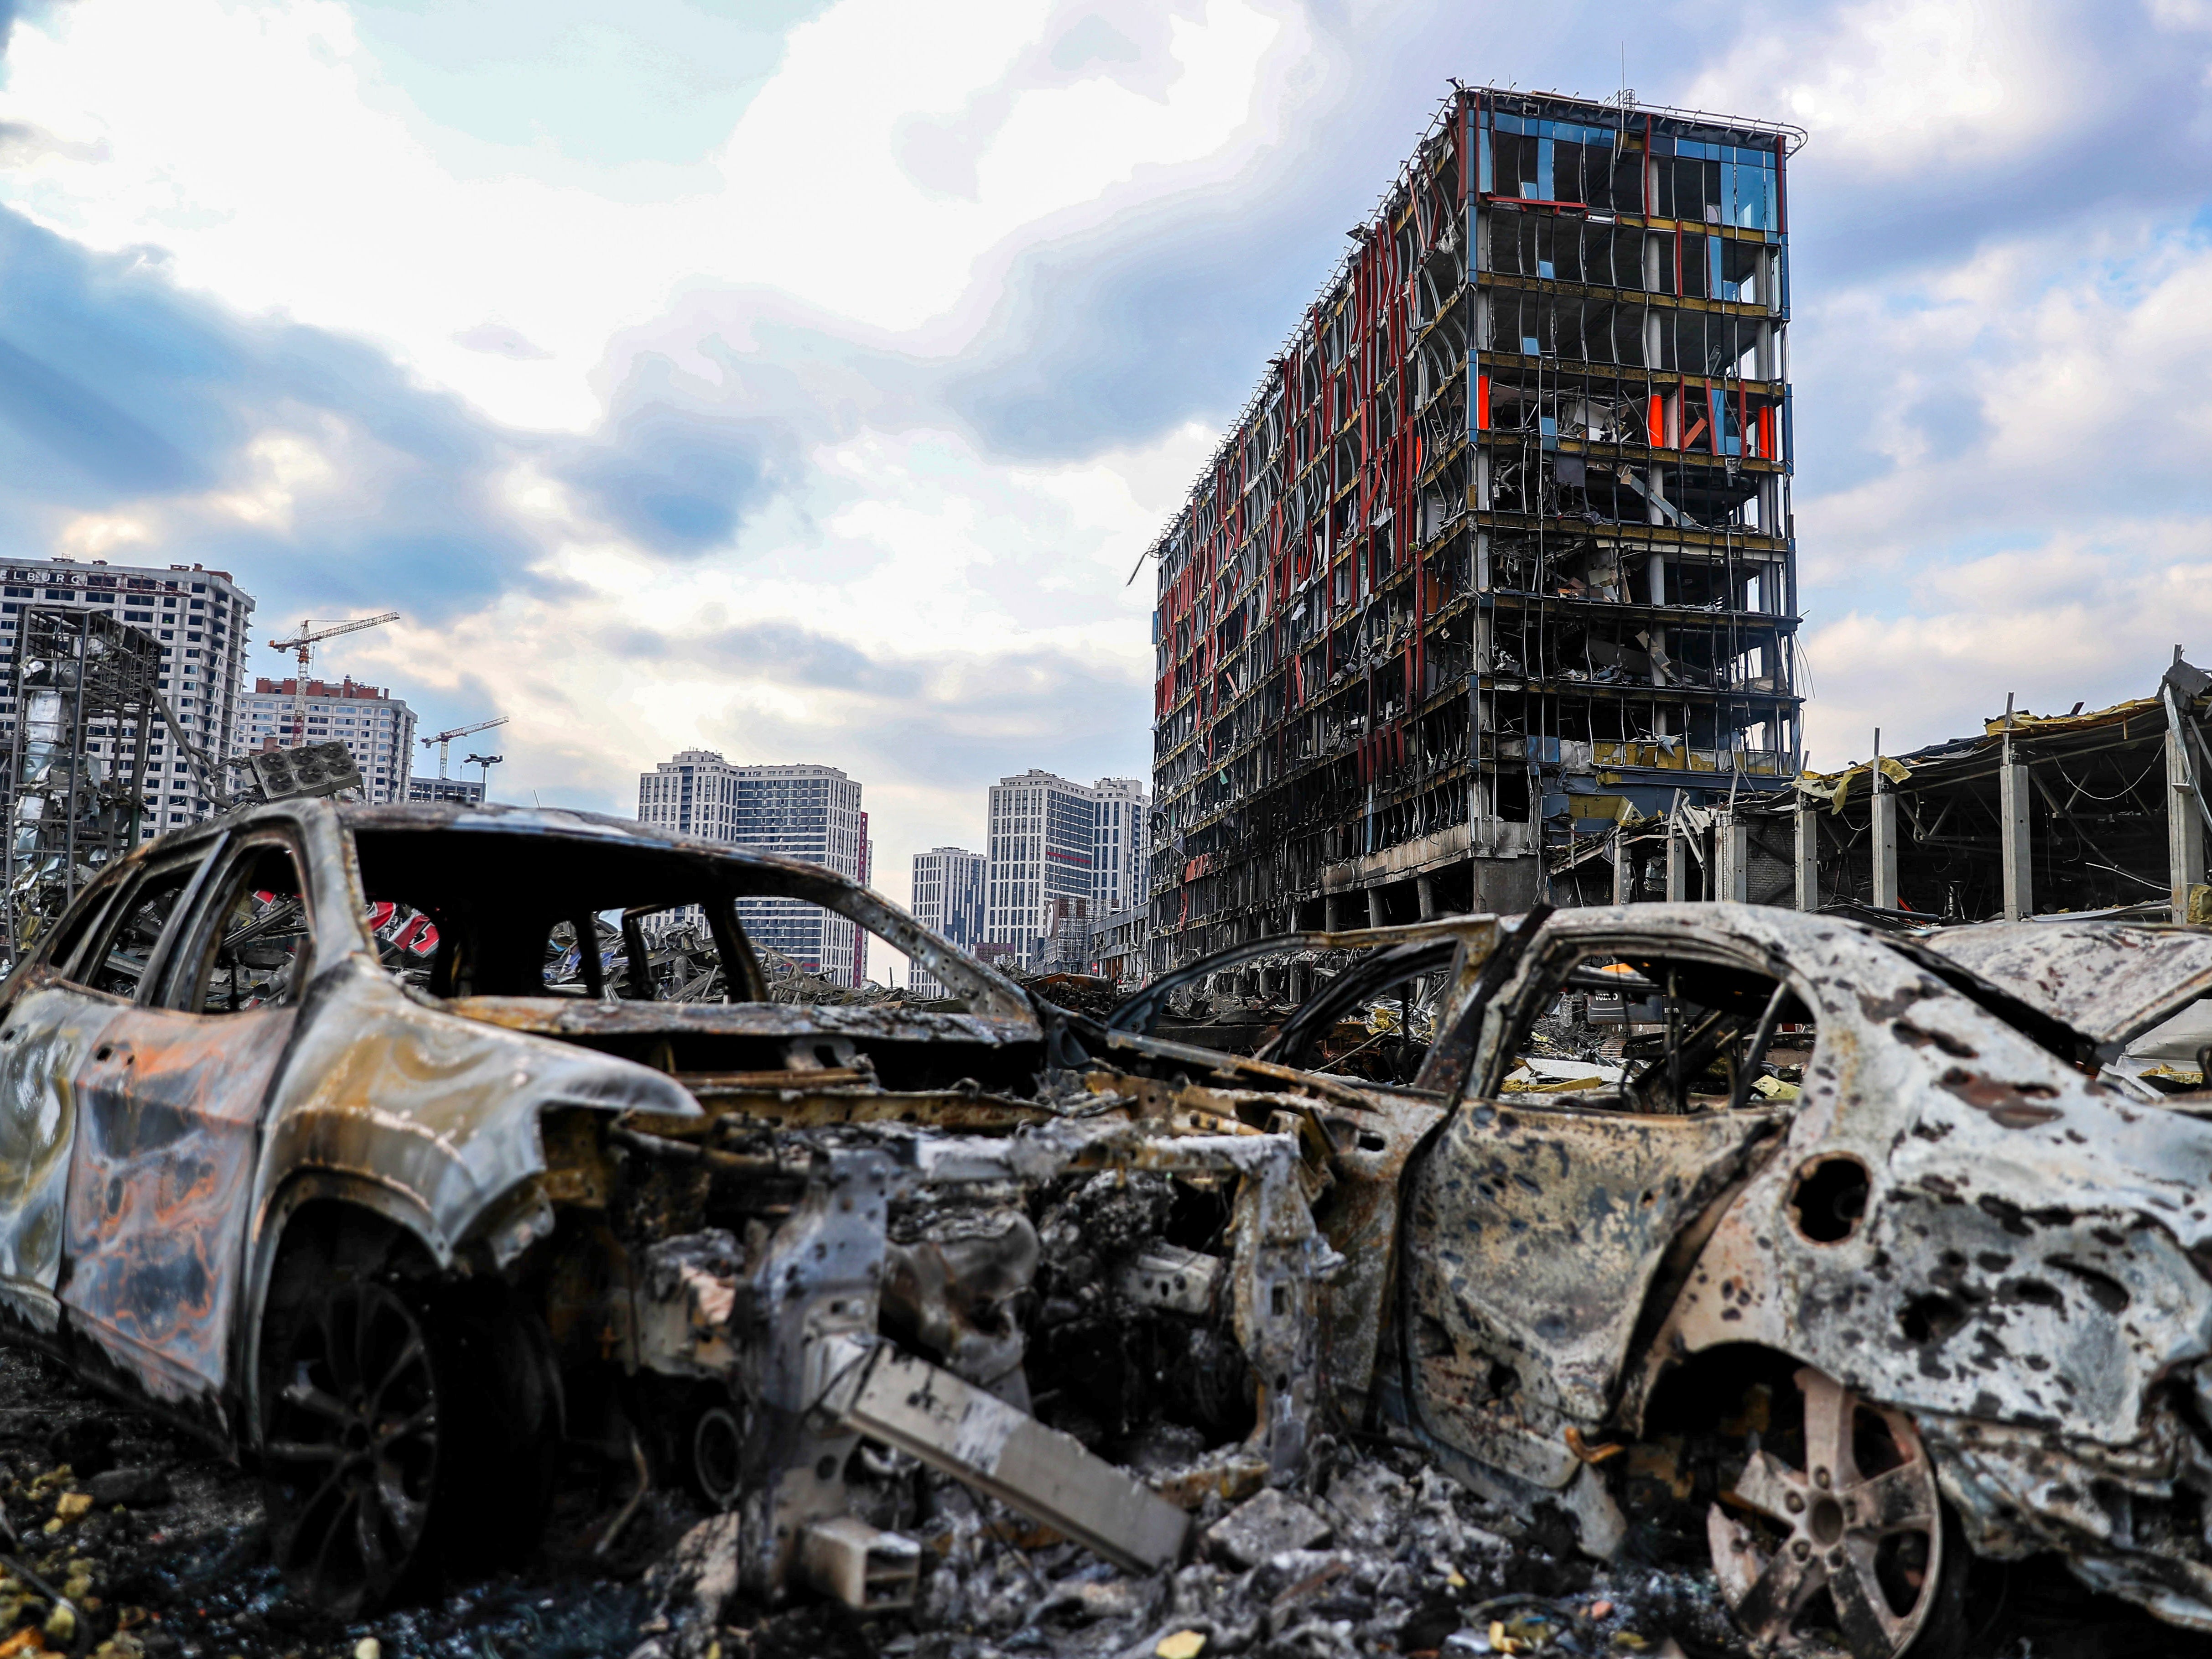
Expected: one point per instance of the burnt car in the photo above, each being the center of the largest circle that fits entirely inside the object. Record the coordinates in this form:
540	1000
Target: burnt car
396	1150
379	1145
1854	1258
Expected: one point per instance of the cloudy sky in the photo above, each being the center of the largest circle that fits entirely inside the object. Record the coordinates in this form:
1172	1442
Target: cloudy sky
803	380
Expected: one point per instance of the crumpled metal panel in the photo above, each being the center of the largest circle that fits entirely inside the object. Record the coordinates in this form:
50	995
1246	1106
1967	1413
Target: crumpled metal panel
168	1119
50	1029
2110	1512
2023	1277
443	1112
1537	1235
2024	1254
2110	980
1358	1215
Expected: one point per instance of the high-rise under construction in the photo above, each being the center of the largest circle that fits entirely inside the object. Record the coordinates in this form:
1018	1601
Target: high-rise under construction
1498	555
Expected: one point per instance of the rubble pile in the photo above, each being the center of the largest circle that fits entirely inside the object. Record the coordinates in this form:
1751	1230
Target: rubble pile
1376	1552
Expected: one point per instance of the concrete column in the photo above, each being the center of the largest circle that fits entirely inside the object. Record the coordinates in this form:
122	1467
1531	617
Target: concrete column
1885	848
1809	854
1332	913
1732	862
1376	917
2013	794
2184	824
1425	890
1624	869
1678	865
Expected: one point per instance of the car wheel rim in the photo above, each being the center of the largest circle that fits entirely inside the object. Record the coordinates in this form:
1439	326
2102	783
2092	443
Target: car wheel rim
1862	1521
353	1447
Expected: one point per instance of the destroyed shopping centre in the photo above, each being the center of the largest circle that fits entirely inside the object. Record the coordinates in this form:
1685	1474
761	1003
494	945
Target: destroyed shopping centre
1572	1181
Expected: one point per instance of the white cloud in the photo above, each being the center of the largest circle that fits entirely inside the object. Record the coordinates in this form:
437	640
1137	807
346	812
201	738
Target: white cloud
258	141
259	146
1884	83
2081	617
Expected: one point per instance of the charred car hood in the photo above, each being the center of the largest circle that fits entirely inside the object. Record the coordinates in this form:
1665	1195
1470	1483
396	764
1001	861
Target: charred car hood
576	1018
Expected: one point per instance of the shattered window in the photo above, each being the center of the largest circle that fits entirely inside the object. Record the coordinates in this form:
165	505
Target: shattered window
63	952
122	959
259	948
1660	1035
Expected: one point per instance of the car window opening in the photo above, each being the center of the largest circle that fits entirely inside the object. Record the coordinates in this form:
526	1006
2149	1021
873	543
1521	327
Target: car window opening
575	930
260	948
1660	1035
460	915
118	964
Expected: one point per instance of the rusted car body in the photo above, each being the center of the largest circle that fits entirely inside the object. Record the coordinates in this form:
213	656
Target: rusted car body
1945	1292
318	1134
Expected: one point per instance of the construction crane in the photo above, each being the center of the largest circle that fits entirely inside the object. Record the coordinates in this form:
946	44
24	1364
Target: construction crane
302	646
444	740
484	777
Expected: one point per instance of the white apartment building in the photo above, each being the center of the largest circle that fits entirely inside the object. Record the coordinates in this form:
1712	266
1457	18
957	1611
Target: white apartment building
1062	852
949	886
377	728
809	812
1043	846
1121	878
200	619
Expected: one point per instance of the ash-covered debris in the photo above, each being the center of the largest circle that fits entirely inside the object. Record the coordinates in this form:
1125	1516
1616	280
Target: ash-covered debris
1377	1552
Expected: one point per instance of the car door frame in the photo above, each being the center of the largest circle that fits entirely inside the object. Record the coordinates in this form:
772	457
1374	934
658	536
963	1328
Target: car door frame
1539	1455
38	1070
166	1164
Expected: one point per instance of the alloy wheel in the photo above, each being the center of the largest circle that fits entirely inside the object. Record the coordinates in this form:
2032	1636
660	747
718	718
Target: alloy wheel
352	1447
1862	1521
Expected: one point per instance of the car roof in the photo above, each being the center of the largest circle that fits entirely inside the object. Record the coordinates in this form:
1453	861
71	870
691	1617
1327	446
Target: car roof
492	818
2114	979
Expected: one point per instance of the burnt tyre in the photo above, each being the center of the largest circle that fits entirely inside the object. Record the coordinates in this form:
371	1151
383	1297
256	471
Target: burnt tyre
408	1435
1835	1527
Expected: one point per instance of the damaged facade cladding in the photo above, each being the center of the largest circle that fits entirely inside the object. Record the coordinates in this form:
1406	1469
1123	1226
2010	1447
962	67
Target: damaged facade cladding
1501	549
2100	811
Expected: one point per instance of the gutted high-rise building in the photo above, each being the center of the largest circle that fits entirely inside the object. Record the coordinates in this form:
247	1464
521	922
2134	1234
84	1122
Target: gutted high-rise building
1499	554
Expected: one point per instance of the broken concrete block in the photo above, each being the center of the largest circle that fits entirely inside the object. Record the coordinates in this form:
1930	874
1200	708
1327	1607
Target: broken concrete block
867	1569
135	1487
1267	1525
